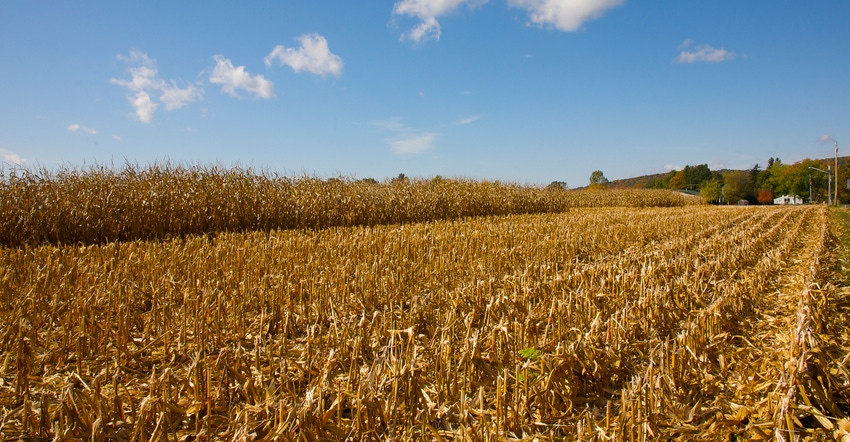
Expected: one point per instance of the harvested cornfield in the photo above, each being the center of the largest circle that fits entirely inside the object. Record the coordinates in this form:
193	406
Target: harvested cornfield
100	204
687	323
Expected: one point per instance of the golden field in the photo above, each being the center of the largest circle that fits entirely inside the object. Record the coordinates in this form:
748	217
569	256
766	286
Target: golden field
614	322
100	204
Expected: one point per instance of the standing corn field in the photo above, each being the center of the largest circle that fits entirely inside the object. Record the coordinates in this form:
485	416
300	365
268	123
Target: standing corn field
690	322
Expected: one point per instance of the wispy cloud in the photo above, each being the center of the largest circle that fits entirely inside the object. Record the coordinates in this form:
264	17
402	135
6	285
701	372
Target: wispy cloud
669	167
144	81
313	56
702	53
406	139
413	143
564	15
394	123
233	78
77	127
10	157
174	97
826	139
469	119
427	11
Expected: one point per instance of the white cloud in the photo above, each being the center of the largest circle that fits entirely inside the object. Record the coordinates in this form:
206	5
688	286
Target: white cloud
717	164
669	167
468	119
313	56
565	15
826	139
116	138
174	97
413	144
143	75
10	157
144	80
144	107
704	53
75	127
427	12
232	78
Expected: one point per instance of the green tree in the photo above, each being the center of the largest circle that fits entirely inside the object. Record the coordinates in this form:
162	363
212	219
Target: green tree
695	176
711	190
557	185
598	180
736	186
661	183
795	179
678	181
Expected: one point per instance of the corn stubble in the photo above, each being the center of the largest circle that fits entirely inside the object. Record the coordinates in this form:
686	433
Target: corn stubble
685	323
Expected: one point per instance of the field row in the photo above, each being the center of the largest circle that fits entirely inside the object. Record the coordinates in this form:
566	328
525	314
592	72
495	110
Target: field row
99	205
589	323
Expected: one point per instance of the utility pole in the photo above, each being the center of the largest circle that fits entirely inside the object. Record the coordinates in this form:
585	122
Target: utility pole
828	185
837	203
810	187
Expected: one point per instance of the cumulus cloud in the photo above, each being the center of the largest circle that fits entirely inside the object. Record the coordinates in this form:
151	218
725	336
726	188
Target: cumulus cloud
427	11
702	53
144	106
413	143
10	157
826	139
144	81
233	78
77	127
313	56
564	15
670	167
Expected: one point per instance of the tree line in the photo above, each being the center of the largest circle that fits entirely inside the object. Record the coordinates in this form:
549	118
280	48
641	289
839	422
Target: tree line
757	185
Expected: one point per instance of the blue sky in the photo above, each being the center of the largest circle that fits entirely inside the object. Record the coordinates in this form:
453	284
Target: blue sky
529	91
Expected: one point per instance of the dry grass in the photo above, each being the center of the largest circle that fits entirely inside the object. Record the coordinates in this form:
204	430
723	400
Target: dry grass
100	204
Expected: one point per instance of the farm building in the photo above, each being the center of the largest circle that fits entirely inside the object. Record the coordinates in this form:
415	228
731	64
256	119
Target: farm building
788	200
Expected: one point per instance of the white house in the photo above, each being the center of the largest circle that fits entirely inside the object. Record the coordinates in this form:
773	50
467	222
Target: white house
788	200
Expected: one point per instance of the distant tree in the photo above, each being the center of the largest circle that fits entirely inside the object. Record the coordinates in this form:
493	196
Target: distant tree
765	196
557	185
771	177
755	173
598	180
710	190
678	181
401	178
696	175
736	186
795	178
663	182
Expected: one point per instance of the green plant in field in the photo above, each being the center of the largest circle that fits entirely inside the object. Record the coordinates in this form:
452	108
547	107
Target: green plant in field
530	353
